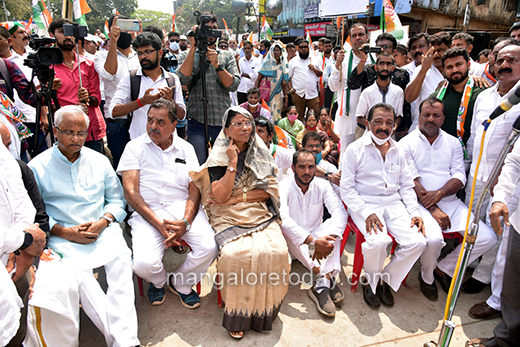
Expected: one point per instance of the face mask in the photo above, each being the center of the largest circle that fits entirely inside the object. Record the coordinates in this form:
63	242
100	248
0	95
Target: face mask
124	41
262	52
183	47
311	128
174	46
252	105
292	117
377	140
318	157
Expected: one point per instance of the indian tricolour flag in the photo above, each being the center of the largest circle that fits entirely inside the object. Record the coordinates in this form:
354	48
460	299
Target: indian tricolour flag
41	15
266	33
105	29
81	8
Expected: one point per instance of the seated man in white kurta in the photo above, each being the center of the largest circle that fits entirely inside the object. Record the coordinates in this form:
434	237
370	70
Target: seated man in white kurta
377	188
302	198
155	170
83	197
436	162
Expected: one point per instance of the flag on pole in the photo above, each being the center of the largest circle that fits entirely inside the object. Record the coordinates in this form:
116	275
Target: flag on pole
390	21
105	29
250	38
81	8
266	33
28	26
228	33
173	22
312	52
41	15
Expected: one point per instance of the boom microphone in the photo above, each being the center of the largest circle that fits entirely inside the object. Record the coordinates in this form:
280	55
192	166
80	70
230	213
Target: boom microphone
512	100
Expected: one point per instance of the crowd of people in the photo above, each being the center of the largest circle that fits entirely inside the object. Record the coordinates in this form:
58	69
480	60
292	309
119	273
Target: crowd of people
298	138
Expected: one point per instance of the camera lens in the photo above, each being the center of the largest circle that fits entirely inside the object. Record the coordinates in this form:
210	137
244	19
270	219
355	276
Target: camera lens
50	56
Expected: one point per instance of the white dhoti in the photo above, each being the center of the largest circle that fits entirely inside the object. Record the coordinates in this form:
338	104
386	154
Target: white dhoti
411	245
330	264
53	315
458	213
148	248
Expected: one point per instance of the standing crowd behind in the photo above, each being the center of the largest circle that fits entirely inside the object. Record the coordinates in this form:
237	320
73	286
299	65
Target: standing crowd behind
299	140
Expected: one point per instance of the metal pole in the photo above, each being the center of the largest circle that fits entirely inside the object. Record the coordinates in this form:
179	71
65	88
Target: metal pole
238	28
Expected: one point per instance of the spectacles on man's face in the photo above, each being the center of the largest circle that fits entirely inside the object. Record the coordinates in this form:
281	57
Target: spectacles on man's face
311	147
222	46
175	40
80	135
145	53
303	47
385	46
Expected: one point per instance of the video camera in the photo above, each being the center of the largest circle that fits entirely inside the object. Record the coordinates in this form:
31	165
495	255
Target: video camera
168	61
43	57
203	32
375	50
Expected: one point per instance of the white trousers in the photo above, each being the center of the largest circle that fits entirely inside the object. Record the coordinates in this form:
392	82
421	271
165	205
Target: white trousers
497	274
148	249
458	213
411	246
53	315
327	265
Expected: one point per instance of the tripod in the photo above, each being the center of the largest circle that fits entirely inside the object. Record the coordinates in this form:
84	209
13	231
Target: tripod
203	48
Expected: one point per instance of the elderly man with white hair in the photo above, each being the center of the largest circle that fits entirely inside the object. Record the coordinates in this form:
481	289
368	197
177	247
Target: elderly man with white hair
83	198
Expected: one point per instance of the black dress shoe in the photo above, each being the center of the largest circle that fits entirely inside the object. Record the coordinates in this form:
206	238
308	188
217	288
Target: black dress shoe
473	286
385	294
429	290
371	299
444	281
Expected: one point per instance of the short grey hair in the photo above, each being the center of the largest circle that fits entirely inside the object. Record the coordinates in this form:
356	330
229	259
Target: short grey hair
58	116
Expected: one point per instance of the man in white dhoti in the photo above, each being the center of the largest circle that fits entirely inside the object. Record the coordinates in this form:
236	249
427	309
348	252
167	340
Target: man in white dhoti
83	198
302	199
436	162
377	188
155	170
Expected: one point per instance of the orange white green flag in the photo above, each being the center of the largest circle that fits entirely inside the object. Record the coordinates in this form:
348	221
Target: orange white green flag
41	15
390	21
81	8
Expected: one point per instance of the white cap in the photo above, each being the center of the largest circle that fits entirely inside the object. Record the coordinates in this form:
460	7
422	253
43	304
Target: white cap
94	38
183	37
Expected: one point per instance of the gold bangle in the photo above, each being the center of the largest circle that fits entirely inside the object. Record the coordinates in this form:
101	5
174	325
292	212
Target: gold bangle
244	197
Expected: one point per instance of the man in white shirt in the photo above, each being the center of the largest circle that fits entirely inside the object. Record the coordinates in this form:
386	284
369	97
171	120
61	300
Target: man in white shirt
324	170
487	70
378	189
305	72
346	61
491	268
282	156
155	83
112	66
155	169
435	160
417	47
16	221
383	91
301	208
249	66
426	79
465	40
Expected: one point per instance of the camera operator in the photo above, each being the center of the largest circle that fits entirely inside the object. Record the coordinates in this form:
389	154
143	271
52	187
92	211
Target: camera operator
112	66
152	82
88	95
222	77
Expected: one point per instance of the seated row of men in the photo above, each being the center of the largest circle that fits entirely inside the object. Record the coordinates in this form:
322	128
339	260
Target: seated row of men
381	183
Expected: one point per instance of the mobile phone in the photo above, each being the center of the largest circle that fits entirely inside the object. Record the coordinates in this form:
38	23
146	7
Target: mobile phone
74	30
128	24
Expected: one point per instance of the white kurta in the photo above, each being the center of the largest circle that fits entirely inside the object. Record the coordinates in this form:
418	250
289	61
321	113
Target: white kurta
372	95
431	82
282	158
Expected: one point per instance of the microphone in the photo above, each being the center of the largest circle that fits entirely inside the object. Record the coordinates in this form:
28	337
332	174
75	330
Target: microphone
512	100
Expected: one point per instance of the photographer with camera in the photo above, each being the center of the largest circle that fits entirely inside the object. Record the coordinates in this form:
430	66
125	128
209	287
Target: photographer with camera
83	91
136	91
222	77
112	66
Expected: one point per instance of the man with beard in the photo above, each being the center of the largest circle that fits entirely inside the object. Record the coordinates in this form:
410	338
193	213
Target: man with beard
308	238
305	72
327	59
378	189
381	91
491	268
112	66
458	94
222	77
87	95
436	162
153	83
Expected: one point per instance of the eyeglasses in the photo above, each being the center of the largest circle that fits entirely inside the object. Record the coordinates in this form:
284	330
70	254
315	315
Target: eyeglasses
146	53
239	125
385	46
304	47
173	40
80	135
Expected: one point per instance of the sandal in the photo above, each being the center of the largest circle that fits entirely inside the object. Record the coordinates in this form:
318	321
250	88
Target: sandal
478	342
237	335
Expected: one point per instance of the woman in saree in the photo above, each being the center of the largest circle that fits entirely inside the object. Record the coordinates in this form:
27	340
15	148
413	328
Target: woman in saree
275	69
240	195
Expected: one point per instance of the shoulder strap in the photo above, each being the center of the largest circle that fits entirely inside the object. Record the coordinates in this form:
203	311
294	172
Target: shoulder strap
171	79
135	85
6	76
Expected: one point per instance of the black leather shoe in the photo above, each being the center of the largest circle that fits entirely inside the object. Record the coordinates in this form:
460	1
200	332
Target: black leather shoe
429	290
371	299
385	294
444	281
473	286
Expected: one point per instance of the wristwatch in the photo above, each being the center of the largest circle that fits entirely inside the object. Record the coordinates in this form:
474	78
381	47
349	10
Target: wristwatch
231	169
188	225
327	174
27	241
220	68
